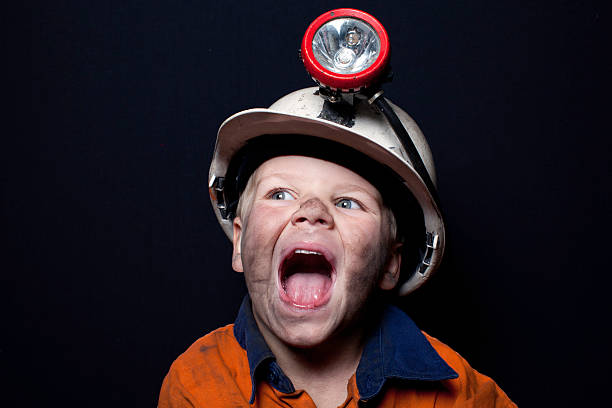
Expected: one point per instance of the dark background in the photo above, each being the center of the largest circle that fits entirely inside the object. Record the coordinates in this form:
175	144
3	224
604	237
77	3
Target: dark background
112	259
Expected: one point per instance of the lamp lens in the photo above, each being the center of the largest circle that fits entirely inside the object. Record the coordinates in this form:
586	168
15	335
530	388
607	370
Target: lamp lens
346	45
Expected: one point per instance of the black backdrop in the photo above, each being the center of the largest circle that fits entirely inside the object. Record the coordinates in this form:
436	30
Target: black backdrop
113	262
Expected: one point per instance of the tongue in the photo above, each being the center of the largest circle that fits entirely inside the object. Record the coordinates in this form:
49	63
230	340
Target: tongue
307	289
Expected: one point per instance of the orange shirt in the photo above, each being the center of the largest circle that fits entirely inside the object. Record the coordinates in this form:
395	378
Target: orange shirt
233	367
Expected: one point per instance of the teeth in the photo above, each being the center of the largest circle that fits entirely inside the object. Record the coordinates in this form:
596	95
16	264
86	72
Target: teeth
306	252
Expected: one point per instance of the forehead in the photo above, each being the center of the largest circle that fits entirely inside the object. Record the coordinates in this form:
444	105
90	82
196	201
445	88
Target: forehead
309	169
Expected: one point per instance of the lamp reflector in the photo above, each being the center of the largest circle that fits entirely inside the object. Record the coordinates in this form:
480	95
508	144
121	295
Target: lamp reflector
346	45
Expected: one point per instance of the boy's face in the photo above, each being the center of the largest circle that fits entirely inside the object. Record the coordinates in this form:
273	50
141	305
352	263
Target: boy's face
314	243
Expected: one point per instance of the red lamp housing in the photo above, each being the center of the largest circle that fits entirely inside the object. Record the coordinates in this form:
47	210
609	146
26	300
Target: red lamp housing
343	38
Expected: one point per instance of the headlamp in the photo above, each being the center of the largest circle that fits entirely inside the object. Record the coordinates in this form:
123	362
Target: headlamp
345	50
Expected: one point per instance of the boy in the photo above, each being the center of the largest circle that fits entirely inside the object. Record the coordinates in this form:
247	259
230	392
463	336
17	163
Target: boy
329	217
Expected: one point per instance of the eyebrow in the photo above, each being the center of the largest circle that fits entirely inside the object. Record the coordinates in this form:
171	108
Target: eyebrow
354	187
282	176
279	175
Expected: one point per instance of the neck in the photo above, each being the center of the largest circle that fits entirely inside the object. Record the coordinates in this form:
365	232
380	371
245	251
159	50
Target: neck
323	371
334	357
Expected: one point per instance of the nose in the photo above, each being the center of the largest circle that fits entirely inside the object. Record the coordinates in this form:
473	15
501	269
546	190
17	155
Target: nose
313	212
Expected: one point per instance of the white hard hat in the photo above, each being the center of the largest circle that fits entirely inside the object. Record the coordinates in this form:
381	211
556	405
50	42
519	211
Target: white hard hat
361	128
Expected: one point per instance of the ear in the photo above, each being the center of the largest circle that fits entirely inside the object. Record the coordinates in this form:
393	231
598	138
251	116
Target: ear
237	240
391	274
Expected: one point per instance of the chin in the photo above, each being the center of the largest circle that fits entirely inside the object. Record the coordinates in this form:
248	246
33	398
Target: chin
309	329
304	340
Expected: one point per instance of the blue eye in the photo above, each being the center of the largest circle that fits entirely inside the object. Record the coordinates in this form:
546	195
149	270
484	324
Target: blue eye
348	204
281	195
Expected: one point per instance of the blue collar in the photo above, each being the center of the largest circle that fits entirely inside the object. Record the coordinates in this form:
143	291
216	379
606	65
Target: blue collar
395	349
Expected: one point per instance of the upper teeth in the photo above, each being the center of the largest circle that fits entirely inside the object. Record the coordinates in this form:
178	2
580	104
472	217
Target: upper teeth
306	252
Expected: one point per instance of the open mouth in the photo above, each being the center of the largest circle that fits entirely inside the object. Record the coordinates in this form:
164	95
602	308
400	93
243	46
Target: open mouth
306	278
